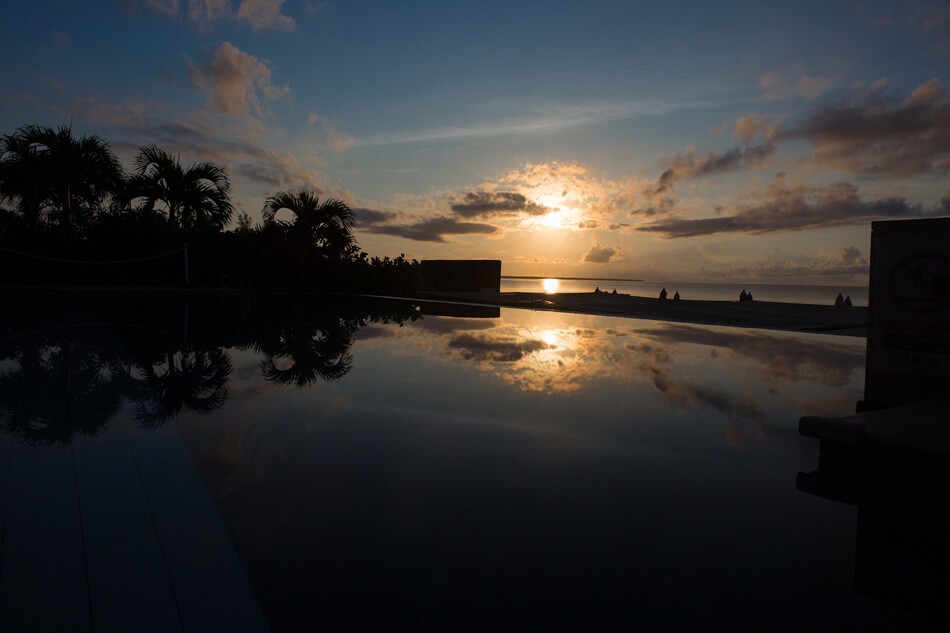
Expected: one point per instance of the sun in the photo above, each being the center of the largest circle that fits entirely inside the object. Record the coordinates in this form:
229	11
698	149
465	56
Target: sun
560	218
550	285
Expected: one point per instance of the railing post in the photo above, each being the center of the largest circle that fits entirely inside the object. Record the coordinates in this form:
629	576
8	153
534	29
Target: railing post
187	279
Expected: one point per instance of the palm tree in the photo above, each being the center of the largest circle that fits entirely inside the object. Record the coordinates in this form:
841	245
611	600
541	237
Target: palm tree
49	172
326	225
193	196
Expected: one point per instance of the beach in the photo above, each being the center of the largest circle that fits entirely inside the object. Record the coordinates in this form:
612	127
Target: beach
851	321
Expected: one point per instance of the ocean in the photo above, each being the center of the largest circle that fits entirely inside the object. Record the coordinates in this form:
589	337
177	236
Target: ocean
815	295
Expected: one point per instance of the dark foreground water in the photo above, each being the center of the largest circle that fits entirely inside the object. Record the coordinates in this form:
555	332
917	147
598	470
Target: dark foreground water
233	464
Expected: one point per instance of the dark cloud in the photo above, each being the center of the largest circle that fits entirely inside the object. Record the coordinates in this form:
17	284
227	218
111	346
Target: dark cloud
433	229
497	349
483	203
791	209
366	217
850	255
690	165
600	254
879	134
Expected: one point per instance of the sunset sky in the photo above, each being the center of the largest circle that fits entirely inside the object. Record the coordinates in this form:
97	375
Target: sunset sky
689	141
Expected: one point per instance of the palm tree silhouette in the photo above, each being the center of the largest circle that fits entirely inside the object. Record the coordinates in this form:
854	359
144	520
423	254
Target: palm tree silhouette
197	195
49	171
325	225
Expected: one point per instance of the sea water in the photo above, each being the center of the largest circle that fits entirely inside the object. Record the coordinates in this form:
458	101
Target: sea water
815	295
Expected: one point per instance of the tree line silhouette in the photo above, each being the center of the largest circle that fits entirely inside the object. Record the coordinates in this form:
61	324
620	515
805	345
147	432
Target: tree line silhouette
67	205
69	371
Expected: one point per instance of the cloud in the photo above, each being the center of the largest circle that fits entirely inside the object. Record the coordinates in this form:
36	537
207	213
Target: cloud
692	166
265	14
483	203
259	14
939	18
544	120
877	134
782	86
236	83
280	170
338	140
366	217
52	43
203	12
166	7
792	208
659	194
432	230
850	265
601	254
851	255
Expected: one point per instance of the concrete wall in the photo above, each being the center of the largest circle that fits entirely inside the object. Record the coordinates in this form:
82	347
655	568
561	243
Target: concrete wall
461	275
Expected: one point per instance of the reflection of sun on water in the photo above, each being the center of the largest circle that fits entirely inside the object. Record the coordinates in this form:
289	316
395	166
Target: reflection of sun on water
550	285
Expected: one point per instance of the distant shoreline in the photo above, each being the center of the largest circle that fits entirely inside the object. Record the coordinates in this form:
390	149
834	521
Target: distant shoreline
569	278
771	315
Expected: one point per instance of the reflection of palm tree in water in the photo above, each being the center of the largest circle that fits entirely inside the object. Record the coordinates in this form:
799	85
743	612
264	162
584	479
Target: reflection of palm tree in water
67	380
311	354
55	390
57	384
191	380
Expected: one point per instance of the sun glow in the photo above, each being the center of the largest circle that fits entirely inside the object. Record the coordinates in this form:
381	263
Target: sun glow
559	219
550	285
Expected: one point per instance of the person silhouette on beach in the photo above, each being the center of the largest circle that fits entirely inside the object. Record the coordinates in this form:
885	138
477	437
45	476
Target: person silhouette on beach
839	301
847	302
663	294
676	296
597	290
614	292
743	296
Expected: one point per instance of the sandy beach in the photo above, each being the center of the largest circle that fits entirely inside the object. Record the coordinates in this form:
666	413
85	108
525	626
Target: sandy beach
759	314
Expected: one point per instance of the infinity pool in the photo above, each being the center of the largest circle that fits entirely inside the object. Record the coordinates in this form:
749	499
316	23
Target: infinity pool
320	464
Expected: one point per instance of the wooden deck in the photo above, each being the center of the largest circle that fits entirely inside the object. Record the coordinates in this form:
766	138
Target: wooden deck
117	533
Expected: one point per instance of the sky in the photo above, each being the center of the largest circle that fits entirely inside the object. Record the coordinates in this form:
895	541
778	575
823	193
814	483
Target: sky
688	141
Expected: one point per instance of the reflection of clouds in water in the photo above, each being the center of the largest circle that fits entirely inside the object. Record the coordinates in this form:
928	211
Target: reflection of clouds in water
560	354
498	349
778	359
368	332
654	364
448	325
542	359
